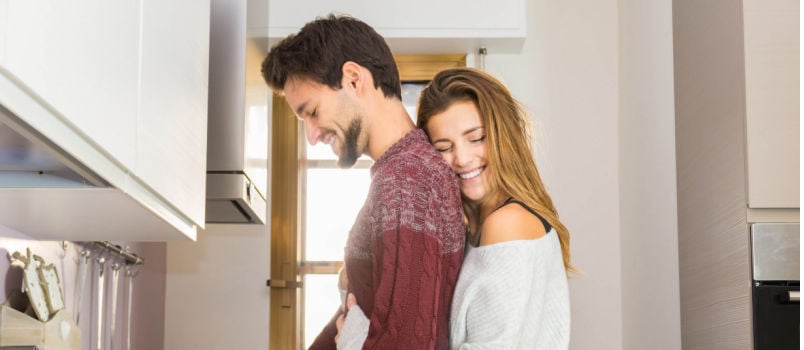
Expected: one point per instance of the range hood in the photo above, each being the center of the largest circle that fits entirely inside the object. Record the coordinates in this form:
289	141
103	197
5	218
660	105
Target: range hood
46	193
33	161
237	132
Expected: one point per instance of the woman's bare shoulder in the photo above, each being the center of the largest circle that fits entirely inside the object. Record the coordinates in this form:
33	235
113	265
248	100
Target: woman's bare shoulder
511	222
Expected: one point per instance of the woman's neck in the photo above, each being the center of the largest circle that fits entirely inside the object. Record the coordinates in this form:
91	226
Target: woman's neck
478	211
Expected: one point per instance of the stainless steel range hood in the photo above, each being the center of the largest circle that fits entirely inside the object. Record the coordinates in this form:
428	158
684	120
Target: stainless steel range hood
237	133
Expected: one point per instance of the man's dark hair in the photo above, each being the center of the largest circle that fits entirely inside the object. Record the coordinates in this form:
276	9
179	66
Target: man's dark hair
319	50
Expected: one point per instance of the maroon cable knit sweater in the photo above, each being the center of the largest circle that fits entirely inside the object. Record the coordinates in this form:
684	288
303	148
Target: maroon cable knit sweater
405	250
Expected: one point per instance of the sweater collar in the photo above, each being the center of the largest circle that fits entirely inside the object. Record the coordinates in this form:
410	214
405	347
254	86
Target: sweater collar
415	136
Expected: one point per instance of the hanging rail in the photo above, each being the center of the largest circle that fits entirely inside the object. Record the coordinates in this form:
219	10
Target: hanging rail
129	257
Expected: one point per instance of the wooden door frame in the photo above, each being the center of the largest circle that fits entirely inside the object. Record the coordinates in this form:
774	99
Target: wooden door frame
285	225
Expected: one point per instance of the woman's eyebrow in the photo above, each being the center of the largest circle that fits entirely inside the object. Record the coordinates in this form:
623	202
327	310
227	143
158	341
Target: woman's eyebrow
472	130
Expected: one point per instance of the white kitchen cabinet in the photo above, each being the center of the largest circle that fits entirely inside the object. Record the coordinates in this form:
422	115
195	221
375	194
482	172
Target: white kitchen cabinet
3	30
771	43
172	123
81	58
446	24
119	88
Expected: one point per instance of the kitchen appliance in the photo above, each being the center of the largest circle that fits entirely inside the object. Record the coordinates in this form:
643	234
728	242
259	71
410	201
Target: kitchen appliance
237	133
775	290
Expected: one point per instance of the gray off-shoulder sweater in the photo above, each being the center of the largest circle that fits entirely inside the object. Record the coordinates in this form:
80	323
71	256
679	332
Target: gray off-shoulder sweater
512	295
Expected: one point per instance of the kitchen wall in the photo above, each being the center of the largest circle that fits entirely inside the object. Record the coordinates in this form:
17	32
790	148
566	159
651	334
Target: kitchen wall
216	294
567	75
597	79
648	206
148	297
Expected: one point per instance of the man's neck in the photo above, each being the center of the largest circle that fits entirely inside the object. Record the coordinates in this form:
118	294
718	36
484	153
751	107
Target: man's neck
389	123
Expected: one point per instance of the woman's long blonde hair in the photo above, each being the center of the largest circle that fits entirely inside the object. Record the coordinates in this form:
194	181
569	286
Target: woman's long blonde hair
510	157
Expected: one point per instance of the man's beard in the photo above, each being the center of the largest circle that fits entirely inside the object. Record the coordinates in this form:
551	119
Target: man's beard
349	152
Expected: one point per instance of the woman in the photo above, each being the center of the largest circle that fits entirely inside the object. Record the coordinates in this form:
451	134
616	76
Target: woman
512	291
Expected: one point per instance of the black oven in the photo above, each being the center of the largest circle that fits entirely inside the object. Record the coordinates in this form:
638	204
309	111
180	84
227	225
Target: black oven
775	292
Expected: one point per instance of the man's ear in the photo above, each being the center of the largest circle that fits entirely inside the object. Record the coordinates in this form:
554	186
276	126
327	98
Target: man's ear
353	75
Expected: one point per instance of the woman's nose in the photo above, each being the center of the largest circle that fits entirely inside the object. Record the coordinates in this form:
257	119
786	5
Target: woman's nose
461	157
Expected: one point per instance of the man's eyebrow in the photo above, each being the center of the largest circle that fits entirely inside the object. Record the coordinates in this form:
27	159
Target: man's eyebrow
301	108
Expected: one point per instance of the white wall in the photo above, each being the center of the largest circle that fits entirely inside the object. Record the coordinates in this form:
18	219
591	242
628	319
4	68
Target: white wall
147	299
597	77
648	206
567	75
216	296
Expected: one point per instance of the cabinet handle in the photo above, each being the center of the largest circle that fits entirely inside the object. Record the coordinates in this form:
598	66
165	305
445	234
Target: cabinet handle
794	296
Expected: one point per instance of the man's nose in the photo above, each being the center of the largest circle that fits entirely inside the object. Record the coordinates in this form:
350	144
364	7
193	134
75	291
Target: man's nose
311	131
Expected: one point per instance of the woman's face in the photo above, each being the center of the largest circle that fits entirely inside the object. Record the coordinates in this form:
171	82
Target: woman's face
458	134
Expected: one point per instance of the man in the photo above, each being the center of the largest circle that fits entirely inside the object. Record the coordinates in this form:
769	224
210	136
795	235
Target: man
404	251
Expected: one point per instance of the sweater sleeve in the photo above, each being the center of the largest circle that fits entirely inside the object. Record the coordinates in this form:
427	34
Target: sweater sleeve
354	331
408	265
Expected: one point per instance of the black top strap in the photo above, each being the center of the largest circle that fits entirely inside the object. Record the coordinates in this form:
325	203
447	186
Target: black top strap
510	200
547	226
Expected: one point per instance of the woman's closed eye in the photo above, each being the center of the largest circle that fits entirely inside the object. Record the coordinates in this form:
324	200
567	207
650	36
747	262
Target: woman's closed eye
443	149
442	145
479	139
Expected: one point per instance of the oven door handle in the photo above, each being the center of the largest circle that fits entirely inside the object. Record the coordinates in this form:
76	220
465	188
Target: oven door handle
794	296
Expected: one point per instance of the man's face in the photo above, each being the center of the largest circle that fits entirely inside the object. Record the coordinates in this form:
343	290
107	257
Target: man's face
330	116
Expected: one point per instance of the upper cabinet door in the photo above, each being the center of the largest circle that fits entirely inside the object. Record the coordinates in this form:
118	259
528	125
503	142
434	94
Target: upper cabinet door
412	18
443	25
88	76
771	33
118	88
172	124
